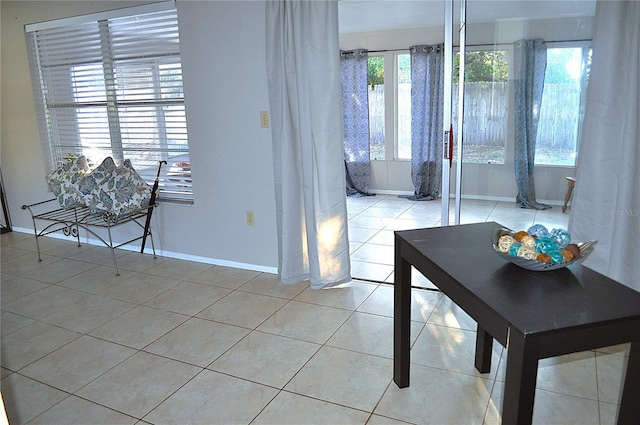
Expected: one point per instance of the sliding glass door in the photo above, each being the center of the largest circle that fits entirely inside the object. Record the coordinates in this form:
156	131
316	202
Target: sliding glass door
454	36
518	80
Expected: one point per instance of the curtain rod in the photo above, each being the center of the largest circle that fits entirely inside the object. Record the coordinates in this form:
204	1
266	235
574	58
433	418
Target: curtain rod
349	52
474	45
583	40
387	50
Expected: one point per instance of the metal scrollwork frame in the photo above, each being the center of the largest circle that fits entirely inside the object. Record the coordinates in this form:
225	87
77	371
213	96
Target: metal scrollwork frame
71	220
70	230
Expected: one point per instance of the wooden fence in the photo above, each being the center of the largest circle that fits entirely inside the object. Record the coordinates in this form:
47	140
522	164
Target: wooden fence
486	114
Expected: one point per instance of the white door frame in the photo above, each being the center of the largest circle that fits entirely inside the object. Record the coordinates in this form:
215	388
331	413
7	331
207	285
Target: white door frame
448	138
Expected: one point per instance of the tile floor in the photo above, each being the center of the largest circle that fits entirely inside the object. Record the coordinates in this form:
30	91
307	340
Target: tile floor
373	219
178	342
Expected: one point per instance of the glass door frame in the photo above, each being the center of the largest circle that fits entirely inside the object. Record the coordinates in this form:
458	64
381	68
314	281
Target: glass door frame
448	137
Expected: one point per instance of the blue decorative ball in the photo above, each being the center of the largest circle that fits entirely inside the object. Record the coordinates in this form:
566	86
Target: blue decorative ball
556	257
561	237
538	230
514	249
546	245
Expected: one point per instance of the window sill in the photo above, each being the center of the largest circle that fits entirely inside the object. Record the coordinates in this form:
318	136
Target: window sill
175	201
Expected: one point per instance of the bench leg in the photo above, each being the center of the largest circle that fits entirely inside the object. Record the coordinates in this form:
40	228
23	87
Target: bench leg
113	252
38	247
35	233
75	229
78	235
153	246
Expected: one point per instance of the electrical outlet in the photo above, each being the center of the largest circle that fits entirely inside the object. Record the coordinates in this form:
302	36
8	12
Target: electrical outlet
264	119
251	218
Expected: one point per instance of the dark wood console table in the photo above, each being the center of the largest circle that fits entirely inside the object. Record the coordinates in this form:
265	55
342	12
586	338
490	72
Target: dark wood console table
534	315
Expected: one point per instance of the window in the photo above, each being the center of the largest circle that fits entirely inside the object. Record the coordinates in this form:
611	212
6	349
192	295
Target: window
486	105
375	80
401	80
403	148
562	107
111	85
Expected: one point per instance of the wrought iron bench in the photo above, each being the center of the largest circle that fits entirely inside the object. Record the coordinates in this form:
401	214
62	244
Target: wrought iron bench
70	220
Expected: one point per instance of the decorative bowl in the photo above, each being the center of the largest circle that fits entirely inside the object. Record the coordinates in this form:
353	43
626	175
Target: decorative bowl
539	266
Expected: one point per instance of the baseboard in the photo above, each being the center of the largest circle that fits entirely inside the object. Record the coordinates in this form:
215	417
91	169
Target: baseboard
217	262
506	199
162	253
392	192
472	197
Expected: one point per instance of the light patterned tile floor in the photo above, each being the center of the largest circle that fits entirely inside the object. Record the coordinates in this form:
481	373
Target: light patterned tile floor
171	341
372	220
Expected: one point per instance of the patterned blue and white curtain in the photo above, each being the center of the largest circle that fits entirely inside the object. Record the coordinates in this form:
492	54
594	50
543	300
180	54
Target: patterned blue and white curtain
427	110
530	64
355	101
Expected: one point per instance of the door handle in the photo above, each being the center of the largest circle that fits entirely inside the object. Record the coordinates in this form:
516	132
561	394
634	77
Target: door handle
450	145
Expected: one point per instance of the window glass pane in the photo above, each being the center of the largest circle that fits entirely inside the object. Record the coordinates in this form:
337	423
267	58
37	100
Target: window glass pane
113	87
560	113
93	131
404	107
375	79
88	83
486	105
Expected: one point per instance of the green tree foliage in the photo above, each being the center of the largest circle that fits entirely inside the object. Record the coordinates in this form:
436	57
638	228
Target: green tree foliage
375	70
482	66
404	68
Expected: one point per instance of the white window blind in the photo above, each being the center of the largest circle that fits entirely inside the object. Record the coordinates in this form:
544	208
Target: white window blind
112	86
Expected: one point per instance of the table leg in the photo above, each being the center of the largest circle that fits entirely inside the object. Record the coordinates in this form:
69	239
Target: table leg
629	412
484	345
401	318
520	381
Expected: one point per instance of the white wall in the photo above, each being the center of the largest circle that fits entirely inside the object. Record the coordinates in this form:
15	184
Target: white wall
487	181
225	89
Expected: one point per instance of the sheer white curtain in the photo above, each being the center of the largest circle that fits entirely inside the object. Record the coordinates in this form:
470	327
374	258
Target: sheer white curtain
606	204
303	71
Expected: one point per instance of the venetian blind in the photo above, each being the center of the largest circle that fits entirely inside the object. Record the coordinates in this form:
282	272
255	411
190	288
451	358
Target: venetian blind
110	84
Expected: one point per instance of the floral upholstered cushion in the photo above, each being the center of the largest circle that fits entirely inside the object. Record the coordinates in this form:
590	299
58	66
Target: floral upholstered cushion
89	183
63	182
117	190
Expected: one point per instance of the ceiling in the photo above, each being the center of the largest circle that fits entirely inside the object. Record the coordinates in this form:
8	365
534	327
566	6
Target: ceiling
383	15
